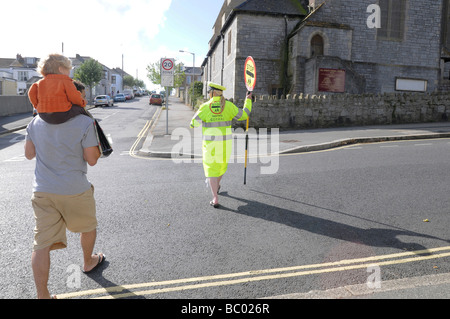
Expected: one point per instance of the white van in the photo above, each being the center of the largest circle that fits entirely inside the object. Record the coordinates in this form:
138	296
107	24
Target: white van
129	93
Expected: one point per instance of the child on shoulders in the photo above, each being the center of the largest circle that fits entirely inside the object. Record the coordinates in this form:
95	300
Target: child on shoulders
55	97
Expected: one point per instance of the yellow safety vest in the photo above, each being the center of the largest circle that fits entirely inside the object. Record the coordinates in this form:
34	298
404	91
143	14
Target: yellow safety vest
217	134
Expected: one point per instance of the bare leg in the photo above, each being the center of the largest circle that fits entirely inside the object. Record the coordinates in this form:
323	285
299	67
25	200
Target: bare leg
40	263
214	183
87	244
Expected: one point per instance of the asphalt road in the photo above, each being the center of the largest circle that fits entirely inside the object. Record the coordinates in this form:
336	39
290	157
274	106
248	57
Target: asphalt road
320	221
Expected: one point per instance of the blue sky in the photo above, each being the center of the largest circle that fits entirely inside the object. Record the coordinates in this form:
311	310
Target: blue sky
142	30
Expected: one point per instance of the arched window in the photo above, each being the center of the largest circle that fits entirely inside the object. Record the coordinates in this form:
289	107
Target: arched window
316	45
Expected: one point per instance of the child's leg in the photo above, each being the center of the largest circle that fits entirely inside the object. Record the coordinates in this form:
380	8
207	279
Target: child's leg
61	117
77	110
55	117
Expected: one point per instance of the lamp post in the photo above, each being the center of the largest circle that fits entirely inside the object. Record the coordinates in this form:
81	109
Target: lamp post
193	75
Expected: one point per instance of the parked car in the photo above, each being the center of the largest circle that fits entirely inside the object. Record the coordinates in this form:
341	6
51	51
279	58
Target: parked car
103	100
155	99
129	94
120	97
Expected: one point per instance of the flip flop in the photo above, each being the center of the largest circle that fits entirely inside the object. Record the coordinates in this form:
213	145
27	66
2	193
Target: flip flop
101	259
214	205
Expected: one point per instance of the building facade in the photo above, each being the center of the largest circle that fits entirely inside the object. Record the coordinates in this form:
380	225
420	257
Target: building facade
110	83
339	48
21	71
332	47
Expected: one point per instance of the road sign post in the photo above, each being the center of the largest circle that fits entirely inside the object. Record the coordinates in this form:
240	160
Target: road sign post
250	82
167	71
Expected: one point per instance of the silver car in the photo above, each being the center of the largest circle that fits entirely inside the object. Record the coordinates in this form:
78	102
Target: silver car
103	100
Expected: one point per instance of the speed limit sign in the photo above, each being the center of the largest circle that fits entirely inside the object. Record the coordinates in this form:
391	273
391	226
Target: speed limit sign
167	72
167	64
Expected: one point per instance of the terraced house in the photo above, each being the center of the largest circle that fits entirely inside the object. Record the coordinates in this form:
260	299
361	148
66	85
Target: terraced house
332	46
17	75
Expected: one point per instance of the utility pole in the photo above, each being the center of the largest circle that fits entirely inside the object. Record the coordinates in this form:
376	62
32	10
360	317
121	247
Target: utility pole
122	72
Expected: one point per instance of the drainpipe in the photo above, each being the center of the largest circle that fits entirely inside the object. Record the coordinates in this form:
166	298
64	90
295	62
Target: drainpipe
285	57
223	58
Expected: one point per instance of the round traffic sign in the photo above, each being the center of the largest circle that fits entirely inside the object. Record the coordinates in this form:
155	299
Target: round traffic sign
167	64
250	73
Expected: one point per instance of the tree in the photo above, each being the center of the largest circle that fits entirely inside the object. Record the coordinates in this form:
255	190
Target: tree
128	80
139	83
198	92
90	73
154	74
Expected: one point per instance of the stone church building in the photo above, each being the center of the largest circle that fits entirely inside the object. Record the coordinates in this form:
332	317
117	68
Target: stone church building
332	46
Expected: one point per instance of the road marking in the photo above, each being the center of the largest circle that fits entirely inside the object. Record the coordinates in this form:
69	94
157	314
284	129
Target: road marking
261	275
20	158
109	116
352	291
17	139
423	144
353	148
142	135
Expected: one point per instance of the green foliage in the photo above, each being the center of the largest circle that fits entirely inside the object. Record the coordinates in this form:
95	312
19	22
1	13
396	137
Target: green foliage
198	92
89	73
128	80
154	74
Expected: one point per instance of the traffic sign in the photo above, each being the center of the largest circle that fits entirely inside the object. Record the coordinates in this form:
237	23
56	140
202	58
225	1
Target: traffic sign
250	73
167	72
250	82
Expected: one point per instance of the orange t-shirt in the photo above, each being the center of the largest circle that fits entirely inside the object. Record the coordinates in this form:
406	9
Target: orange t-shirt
55	93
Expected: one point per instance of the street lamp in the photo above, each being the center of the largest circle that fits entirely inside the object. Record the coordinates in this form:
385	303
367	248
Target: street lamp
193	75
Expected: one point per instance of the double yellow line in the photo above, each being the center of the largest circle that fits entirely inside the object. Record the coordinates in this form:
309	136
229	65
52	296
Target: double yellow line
259	275
143	134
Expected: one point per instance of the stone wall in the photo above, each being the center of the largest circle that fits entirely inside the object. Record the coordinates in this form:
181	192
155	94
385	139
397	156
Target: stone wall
378	59
10	105
320	111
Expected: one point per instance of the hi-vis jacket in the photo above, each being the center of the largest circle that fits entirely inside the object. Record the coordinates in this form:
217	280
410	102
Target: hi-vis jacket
217	133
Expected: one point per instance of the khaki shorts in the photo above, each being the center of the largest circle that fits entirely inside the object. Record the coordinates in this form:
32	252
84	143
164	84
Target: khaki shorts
56	213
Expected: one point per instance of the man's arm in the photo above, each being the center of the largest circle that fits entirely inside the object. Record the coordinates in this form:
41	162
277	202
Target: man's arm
91	155
30	150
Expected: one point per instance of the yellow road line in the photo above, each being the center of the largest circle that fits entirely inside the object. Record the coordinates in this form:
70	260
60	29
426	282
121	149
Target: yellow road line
142	134
258	275
261	278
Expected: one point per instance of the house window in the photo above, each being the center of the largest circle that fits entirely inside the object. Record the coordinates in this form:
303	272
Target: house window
316	45
22	76
277	91
392	19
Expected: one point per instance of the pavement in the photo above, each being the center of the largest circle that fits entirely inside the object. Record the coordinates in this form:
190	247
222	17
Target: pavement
161	142
164	140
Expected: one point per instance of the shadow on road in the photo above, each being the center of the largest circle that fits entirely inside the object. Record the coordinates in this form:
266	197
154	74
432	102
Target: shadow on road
111	288
376	237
